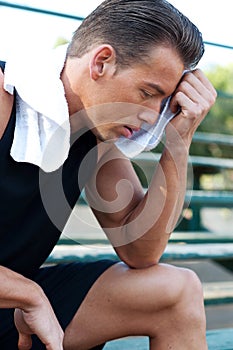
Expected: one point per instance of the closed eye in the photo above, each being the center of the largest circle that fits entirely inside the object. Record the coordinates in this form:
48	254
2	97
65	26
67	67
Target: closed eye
147	94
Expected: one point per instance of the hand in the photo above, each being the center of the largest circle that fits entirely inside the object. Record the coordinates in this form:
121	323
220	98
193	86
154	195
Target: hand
39	320
194	96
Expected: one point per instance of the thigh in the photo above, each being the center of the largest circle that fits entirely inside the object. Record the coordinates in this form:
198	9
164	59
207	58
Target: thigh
119	302
66	286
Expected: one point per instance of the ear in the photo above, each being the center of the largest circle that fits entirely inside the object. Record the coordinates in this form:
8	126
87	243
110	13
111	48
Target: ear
103	61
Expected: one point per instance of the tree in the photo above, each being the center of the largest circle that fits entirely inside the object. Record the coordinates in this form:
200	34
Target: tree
220	118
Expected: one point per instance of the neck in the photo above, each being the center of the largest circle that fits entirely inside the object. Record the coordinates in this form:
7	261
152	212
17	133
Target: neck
75	106
73	100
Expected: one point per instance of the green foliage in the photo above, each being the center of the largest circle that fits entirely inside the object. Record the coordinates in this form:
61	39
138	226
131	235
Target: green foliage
60	41
222	77
220	118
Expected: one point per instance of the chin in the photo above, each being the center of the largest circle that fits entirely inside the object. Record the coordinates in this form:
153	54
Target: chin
105	138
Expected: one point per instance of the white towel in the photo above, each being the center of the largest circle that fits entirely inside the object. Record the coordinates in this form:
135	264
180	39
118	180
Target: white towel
42	132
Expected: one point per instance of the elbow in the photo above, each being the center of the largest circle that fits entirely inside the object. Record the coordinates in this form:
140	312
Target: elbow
142	264
138	262
142	254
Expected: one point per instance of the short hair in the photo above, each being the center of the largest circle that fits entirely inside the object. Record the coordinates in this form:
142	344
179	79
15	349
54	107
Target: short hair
134	27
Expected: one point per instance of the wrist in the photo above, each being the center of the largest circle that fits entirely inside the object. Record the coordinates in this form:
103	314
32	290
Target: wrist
32	297
177	138
17	291
35	297
176	151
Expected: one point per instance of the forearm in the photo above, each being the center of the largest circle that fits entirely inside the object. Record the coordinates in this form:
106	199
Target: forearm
33	312
138	225
149	225
16	291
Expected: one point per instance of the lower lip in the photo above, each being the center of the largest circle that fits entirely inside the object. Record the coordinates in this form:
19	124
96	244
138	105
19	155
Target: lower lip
127	133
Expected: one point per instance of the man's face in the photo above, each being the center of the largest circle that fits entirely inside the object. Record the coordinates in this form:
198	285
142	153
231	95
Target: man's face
121	103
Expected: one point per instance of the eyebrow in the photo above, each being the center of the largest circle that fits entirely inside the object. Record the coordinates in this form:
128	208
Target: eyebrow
156	87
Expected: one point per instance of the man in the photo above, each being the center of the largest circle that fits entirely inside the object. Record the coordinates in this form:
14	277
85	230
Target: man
124	60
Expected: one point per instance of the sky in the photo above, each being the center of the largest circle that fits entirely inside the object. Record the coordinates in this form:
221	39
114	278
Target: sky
22	28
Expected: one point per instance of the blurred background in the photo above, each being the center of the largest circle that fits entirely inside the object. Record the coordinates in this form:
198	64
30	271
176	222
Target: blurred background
45	24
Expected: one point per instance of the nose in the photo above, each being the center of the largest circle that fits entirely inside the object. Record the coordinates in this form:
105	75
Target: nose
149	116
151	113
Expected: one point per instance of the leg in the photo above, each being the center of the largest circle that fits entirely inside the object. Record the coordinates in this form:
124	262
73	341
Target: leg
162	302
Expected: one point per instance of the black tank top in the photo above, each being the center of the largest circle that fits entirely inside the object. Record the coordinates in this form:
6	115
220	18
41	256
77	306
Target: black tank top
34	205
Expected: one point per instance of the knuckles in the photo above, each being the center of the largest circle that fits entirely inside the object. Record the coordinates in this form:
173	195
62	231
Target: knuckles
197	89
183	86
213	97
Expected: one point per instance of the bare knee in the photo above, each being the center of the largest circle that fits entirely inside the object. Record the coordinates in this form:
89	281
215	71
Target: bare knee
186	299
181	298
191	302
181	311
177	285
193	287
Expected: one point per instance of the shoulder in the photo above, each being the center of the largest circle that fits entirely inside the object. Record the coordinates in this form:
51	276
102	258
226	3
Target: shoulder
6	104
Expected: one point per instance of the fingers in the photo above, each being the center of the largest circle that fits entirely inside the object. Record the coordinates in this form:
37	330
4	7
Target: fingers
24	342
41	322
203	79
195	95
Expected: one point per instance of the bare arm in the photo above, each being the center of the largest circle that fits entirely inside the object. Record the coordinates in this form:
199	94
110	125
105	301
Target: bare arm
139	225
34	314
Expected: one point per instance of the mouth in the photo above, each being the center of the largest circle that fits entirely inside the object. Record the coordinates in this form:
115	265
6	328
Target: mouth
129	130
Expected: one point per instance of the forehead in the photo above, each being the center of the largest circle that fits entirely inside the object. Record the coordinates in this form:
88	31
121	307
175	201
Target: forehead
162	67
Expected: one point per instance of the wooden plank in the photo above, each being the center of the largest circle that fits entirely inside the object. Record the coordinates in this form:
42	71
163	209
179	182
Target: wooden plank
221	339
218	292
219	163
151	158
91	237
174	251
200	237
211	199
69	253
135	343
200	251
198	197
220	139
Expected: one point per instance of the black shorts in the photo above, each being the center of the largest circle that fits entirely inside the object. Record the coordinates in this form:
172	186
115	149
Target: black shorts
66	286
